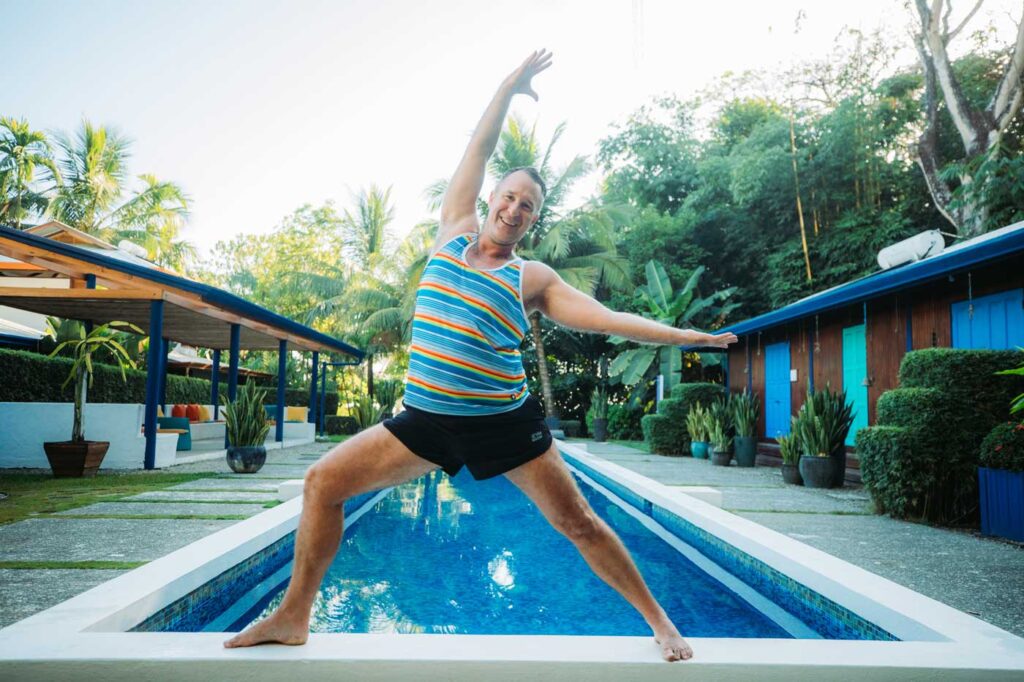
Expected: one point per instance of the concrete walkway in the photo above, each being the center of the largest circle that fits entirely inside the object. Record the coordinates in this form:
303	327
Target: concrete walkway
981	576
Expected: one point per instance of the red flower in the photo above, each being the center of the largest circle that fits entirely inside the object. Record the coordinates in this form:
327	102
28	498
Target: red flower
998	448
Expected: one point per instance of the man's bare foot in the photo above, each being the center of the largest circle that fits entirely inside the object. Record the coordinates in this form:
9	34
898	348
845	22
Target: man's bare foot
673	646
276	628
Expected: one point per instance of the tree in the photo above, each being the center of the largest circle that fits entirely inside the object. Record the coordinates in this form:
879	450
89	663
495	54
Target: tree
980	128
680	309
94	169
22	150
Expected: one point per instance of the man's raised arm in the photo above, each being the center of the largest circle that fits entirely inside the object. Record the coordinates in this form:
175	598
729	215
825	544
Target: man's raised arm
458	211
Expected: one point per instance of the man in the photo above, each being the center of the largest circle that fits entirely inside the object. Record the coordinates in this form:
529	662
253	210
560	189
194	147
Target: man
466	397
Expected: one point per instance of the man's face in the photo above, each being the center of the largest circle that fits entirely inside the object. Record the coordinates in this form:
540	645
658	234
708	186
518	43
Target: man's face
514	208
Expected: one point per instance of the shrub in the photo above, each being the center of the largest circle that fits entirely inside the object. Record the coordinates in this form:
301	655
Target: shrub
948	402
623	422
659	435
703	393
571	427
667	435
899	484
337	426
1003	447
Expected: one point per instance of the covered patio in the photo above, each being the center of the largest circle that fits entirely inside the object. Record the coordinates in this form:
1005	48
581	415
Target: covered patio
104	284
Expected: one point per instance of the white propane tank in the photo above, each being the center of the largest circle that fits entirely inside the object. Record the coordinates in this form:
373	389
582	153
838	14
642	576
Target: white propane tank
911	250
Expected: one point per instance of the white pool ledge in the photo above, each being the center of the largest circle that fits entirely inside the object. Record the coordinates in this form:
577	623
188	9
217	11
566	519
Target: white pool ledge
84	638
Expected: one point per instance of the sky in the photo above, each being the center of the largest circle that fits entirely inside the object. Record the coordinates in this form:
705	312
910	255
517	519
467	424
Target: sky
256	108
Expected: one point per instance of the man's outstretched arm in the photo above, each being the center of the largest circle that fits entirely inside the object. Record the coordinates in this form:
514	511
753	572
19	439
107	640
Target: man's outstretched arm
572	308
458	210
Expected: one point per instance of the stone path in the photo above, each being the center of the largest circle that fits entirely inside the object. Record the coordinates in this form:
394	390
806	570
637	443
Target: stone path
979	575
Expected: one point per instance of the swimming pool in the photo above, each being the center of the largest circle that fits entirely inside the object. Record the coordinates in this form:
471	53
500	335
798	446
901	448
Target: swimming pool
759	602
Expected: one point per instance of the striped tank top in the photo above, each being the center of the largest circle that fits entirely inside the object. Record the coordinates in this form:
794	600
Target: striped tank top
469	323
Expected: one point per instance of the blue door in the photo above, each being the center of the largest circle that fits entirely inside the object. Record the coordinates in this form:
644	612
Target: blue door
855	374
776	389
997	322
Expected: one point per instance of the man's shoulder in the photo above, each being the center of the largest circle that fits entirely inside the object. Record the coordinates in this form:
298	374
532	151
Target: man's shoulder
536	278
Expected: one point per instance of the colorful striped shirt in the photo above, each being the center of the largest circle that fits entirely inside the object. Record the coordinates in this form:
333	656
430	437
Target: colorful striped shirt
466	332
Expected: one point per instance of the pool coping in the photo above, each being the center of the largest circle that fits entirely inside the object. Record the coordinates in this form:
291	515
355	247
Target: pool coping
84	636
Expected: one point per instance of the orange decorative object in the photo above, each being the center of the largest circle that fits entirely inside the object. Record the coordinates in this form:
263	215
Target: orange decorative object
178	411
192	412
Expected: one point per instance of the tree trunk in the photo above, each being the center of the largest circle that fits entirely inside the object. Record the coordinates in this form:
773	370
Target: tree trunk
542	367
799	206
81	385
369	375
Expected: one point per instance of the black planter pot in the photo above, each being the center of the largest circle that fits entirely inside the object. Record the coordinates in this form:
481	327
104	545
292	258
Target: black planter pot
721	459
791	474
817	472
75	459
600	429
246	459
838	458
745	450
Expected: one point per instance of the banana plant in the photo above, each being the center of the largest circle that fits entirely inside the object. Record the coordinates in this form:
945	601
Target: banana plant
680	309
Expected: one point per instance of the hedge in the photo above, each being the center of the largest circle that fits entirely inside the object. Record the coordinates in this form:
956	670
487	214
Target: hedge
33	378
1003	447
623	422
948	402
665	433
337	425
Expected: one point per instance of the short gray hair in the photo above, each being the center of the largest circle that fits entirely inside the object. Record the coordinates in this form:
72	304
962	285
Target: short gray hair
534	175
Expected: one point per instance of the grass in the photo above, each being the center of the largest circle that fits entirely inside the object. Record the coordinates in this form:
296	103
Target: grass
54	565
191	517
33	494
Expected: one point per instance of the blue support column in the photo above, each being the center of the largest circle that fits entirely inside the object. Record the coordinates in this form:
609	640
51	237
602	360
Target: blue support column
90	283
215	384
282	371
725	370
165	348
323	395
153	373
236	338
312	388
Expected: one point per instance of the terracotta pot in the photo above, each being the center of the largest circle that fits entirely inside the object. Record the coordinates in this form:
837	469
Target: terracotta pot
246	459
745	448
817	472
791	474
75	459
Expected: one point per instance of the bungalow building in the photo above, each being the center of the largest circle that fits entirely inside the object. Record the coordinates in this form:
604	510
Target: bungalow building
853	336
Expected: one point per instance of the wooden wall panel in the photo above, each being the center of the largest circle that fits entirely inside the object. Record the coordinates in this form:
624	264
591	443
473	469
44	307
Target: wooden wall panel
886	336
757	372
738	366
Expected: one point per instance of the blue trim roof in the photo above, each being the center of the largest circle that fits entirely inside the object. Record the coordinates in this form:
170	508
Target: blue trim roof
207	293
981	250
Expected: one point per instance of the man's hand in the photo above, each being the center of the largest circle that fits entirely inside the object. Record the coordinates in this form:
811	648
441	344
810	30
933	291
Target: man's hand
719	340
519	80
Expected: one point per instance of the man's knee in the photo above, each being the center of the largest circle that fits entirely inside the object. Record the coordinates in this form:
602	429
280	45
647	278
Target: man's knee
580	524
320	487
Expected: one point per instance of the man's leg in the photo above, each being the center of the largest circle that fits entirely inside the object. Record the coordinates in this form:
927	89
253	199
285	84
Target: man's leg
371	460
547	481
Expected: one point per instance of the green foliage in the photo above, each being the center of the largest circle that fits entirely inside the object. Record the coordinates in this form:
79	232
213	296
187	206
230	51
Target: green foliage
1003	447
337	425
695	420
699	392
366	412
720	416
745	412
571	427
623	422
661	436
949	401
893	470
719	436
1017	404
823	422
599	402
789	447
387	392
245	419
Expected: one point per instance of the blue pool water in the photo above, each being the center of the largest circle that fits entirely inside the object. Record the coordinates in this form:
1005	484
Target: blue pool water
458	556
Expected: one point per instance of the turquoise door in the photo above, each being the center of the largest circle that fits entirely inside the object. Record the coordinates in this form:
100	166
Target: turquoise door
776	389
855	374
996	323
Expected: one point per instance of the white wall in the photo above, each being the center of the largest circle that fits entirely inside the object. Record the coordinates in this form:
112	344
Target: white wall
24	427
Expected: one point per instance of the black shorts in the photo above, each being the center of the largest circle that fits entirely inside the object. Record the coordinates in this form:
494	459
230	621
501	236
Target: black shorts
488	445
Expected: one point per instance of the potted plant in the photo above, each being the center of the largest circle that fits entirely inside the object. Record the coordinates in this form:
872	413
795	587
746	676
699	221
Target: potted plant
79	457
789	450
599	405
247	426
1001	481
837	417
721	443
696	426
815	464
744	418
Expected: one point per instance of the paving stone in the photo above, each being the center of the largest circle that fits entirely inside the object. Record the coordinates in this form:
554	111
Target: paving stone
166	508
202	496
255	485
791	499
27	592
100	539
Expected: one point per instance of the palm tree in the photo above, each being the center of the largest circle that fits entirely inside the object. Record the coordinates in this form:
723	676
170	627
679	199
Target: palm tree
578	244
21	151
94	168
